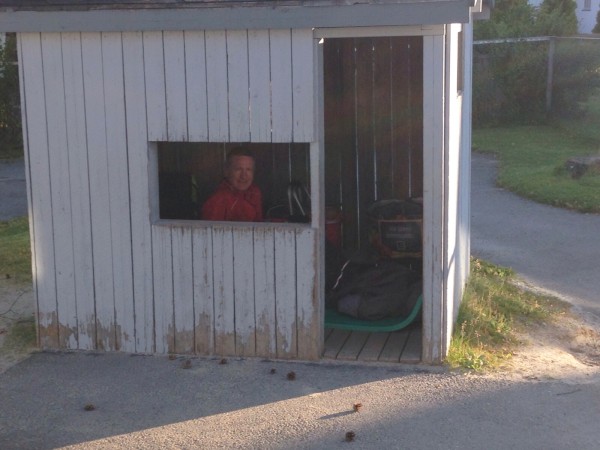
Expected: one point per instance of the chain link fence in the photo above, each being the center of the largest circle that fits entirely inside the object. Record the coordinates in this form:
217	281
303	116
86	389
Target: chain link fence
531	80
11	138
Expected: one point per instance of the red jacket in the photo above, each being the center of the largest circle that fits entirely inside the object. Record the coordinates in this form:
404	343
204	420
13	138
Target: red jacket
229	204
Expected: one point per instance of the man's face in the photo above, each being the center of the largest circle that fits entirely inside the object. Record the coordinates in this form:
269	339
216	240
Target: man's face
240	172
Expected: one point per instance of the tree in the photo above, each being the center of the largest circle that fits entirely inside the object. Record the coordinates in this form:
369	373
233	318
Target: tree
557	18
597	27
510	19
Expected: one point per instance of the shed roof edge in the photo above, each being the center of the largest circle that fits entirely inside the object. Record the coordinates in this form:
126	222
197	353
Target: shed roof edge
427	12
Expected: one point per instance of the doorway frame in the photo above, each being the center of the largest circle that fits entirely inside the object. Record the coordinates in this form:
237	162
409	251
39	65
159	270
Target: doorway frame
434	330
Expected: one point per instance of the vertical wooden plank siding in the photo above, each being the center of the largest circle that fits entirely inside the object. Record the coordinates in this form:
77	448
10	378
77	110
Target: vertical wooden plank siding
465	164
433	196
183	289
285	291
141	237
216	86
259	68
118	176
310	330
195	79
364	134
109	278
303	86
80	192
317	171
237	85
154	74
175	83
453	259
382	143
452	119
41	205
281	85
223	255
401	66
162	274
99	190
243	278
264	286
60	189
373	120
204	310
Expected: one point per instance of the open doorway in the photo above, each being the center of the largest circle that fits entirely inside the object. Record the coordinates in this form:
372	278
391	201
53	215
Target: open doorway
373	186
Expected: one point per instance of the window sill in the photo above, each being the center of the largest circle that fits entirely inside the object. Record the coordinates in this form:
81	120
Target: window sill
174	223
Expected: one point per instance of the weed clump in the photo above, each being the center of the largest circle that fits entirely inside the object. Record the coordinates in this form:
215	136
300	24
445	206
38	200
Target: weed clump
493	310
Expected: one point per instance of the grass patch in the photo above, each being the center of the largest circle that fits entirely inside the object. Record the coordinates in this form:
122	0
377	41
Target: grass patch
587	124
531	161
21	337
492	311
15	250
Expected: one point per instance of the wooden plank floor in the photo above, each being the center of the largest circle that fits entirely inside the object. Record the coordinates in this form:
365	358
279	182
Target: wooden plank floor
399	346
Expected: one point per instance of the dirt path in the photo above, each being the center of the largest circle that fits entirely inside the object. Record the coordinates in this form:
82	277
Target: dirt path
567	349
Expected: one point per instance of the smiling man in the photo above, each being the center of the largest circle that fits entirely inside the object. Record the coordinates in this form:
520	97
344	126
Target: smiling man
237	198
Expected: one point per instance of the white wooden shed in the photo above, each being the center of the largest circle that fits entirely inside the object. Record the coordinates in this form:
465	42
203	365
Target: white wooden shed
106	84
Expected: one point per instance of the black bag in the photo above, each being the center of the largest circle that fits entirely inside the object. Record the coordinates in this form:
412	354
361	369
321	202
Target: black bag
374	291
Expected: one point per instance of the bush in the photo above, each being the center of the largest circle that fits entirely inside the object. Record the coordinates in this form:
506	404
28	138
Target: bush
510	88
11	143
597	26
557	18
576	76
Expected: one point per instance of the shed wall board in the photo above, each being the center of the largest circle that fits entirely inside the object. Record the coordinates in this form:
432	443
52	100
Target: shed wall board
127	281
452	180
195	76
137	145
80	192
118	190
434	173
30	57
465	195
60	190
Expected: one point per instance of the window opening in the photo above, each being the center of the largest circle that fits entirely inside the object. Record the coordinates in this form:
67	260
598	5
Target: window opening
190	173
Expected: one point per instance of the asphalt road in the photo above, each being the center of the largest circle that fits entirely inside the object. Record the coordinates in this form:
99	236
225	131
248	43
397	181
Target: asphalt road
13	197
553	249
147	402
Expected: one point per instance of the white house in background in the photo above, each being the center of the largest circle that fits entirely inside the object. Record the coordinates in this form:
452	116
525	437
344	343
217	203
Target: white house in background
586	13
111	90
587	10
